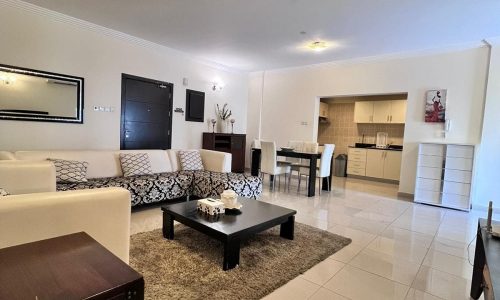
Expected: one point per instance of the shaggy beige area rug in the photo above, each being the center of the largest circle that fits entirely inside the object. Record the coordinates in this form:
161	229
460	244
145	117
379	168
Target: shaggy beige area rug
190	267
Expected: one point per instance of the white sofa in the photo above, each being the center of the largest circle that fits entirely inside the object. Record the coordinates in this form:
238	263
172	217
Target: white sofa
34	211
168	183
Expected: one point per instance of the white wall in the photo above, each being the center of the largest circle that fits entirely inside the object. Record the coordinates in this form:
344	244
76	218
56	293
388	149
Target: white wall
39	39
291	97
487	161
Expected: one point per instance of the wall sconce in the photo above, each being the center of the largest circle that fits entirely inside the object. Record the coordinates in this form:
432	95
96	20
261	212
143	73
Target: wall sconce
217	86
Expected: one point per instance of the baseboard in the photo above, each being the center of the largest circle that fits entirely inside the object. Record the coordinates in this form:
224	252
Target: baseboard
406	196
374	179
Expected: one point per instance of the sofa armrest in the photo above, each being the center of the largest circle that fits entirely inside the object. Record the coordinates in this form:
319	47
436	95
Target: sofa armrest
24	177
104	214
216	161
7	155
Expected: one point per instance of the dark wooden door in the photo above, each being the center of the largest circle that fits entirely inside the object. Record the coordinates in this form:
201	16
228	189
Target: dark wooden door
146	119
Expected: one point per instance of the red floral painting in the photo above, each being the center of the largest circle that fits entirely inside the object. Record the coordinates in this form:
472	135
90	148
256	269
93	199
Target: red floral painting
435	106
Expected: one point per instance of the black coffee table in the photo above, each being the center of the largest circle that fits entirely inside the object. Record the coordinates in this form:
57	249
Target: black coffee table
255	217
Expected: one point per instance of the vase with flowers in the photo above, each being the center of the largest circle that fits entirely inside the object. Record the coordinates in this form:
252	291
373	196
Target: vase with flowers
223	114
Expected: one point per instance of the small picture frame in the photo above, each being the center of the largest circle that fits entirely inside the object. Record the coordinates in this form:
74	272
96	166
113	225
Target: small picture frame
435	106
195	106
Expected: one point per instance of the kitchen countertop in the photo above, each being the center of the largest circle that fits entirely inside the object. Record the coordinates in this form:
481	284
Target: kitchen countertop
375	148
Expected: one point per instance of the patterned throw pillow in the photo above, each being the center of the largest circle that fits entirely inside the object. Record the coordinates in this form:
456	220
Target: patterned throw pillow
190	160
3	192
70	170
135	164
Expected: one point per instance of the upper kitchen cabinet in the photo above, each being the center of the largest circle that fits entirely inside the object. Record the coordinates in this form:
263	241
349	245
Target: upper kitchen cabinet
398	111
363	112
380	112
323	110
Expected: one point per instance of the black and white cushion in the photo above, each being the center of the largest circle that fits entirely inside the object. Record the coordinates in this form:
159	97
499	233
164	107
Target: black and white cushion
135	164
70	170
3	192
190	160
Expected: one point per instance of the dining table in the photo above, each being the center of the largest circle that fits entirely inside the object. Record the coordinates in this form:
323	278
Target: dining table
313	160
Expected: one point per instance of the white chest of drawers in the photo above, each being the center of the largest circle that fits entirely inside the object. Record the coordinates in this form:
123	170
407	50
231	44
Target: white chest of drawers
444	175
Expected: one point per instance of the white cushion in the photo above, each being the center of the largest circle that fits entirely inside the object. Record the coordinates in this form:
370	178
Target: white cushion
135	164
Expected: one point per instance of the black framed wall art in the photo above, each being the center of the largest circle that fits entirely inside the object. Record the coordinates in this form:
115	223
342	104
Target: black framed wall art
195	106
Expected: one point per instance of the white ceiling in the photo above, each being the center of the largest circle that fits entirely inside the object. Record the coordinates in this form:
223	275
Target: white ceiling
254	35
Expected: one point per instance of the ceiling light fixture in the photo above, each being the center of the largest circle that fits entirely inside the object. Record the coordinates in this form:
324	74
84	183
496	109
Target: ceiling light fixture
318	45
7	78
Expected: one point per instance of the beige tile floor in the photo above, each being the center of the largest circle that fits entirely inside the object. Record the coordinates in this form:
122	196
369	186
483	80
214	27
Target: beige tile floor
399	249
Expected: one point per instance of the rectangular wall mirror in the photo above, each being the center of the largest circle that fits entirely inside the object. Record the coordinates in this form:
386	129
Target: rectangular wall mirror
40	96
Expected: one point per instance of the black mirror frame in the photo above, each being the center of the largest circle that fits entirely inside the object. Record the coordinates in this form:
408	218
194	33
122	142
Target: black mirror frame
26	116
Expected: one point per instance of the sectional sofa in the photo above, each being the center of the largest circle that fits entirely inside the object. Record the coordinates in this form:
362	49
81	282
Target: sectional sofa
35	211
169	181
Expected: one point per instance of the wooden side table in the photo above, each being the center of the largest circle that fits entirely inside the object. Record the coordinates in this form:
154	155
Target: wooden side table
72	266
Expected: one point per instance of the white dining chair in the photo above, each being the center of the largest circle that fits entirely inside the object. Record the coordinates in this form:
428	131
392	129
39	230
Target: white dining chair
270	165
307	147
323	170
297	146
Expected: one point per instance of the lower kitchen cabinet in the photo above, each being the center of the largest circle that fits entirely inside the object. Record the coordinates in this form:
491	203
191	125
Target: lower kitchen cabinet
392	165
375	163
382	164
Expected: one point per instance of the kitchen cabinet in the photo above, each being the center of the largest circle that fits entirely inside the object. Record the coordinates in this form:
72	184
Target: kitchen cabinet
356	162
392	165
323	110
375	163
382	164
444	175
380	112
398	111
363	112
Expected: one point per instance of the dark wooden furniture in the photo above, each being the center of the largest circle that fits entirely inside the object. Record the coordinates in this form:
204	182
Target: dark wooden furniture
255	217
230	143
68	267
486	273
313	159
195	106
146	113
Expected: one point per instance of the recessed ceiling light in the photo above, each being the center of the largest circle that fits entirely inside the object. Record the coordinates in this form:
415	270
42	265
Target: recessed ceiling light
317	45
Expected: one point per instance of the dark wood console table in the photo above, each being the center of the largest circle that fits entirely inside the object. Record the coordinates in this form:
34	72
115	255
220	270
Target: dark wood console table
486	274
230	143
72	266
